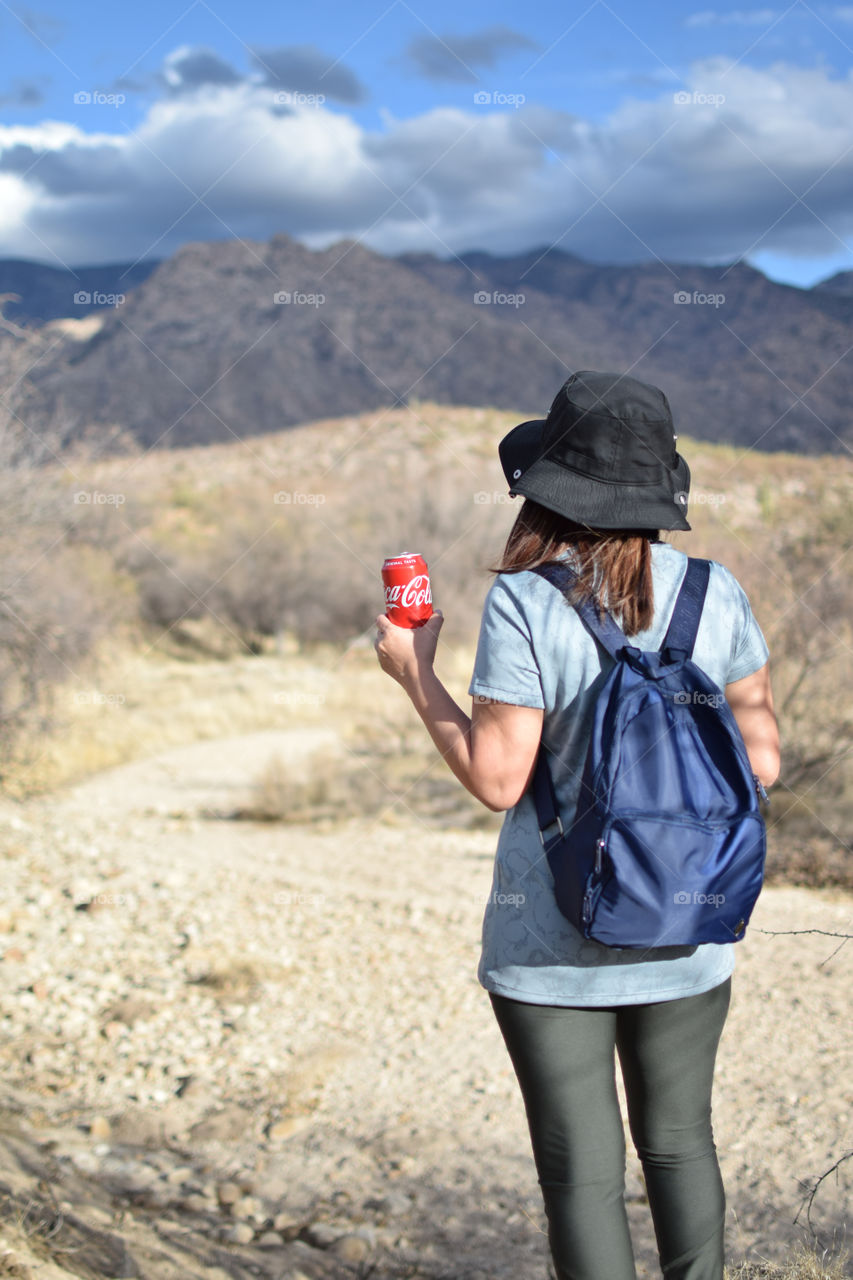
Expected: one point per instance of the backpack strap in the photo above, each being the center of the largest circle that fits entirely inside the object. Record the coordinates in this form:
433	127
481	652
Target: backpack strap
545	799
612	639
608	633
681	633
677	645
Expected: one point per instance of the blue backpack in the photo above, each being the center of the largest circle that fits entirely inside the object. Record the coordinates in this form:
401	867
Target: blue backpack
667	843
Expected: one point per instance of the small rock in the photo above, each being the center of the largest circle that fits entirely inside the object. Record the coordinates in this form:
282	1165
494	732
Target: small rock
229	1124
98	1216
287	1127
132	1179
270	1239
393	1202
100	1127
86	1161
182	1173
353	1249
287	1225
248	1207
320	1235
13	953
196	1203
239	1233
228	1193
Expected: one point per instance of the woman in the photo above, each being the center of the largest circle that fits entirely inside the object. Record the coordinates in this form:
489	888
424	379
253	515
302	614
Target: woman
601	477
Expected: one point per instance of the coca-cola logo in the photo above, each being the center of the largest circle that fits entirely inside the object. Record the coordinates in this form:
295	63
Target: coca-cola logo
411	594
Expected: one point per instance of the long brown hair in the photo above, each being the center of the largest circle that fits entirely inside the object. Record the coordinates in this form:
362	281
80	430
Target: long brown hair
614	566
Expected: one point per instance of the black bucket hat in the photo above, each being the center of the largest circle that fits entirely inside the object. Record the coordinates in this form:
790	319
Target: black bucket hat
604	457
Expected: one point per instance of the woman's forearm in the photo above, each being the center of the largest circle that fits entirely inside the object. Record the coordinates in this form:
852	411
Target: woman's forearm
493	754
447	725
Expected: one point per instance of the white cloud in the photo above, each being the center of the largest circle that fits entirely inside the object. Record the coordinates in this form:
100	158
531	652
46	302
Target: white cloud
709	178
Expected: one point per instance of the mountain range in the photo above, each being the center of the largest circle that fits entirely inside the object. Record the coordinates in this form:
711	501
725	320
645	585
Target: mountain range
235	338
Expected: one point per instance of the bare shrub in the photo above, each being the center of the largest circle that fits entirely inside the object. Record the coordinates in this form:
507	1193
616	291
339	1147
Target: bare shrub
321	788
392	776
50	616
170	591
810	642
55	599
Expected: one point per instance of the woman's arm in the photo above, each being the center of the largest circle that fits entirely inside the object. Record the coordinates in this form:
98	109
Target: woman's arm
751	701
492	751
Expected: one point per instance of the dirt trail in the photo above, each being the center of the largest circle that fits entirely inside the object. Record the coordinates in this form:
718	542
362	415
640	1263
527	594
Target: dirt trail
190	1003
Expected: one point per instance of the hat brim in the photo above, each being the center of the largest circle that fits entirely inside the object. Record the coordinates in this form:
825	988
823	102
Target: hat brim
601	504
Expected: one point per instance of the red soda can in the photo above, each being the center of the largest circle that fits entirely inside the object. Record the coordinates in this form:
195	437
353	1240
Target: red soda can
408	596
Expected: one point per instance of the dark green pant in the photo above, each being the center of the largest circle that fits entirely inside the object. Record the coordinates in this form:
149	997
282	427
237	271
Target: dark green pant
564	1061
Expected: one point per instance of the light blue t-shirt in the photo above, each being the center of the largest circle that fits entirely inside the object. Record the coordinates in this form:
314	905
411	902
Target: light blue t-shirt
534	651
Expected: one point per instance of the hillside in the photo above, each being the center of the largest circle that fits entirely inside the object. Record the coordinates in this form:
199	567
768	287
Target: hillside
201	350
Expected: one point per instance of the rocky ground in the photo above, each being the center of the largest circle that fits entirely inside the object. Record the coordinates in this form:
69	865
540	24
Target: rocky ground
234	1049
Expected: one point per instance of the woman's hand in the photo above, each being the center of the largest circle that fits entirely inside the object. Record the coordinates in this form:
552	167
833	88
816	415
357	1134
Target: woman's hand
406	653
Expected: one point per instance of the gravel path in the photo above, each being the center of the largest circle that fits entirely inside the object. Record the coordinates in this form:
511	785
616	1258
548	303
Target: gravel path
235	1049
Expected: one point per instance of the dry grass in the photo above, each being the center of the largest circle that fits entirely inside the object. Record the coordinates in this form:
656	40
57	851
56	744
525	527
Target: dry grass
322	789
390	775
804	1264
234	977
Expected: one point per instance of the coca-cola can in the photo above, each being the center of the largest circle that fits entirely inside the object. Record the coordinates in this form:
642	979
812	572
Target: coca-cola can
408	596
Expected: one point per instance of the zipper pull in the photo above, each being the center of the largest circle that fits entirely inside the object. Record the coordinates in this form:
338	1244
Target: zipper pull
600	846
759	787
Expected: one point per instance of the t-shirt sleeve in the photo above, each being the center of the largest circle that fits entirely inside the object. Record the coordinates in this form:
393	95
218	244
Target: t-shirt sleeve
505	667
749	649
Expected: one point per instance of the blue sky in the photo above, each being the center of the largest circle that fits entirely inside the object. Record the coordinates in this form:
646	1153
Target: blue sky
621	132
